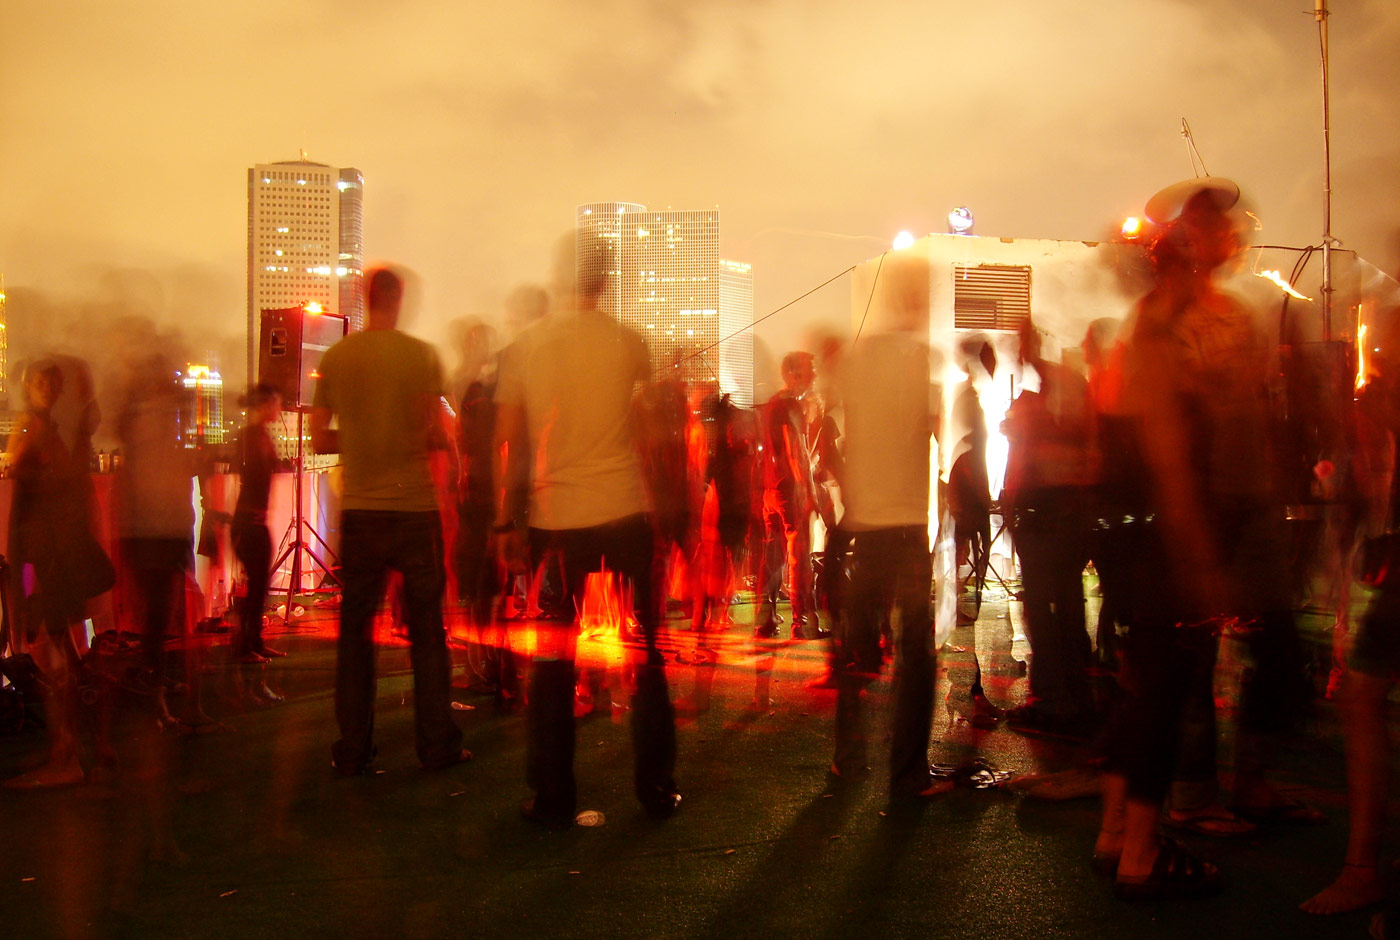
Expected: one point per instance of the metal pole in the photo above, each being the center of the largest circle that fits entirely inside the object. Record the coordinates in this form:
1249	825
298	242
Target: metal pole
294	584
1320	14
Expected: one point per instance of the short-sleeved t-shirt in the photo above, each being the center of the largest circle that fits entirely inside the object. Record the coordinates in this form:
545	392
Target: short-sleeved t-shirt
891	407
382	385
574	375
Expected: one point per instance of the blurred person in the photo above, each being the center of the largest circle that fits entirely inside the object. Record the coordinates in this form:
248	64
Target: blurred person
563	408
789	501
1047	495
1373	666
55	560
479	580
728	473
1103	375
662	419
891	407
155	518
155	524
1193	473
968	488
255	458
384	390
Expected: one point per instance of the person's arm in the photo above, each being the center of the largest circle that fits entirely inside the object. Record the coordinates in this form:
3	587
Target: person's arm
510	446
324	438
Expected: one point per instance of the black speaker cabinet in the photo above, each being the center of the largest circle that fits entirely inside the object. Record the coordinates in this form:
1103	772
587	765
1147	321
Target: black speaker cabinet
291	345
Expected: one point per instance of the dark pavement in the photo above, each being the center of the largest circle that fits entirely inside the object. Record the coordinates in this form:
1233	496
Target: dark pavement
270	843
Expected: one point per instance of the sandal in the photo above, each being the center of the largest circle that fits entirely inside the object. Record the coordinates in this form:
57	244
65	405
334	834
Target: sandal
1175	875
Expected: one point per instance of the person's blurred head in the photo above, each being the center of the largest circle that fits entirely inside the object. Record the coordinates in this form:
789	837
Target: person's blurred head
524	305
43	383
799	371
1202	238
908	291
384	297
263	402
1098	339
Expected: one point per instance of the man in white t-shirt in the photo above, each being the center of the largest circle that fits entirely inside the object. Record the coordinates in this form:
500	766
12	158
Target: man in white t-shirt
892	407
564	401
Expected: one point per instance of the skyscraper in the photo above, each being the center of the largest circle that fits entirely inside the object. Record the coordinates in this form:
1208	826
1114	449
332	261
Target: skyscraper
4	350
202	407
667	282
305	242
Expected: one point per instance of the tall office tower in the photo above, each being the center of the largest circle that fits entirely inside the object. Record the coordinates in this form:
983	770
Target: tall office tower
4	351
202	406
304	242
664	281
736	331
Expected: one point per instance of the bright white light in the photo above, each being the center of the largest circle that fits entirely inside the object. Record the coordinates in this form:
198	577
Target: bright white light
277	252
313	307
1132	227
960	221
903	240
341	272
324	270
1284	286
343	186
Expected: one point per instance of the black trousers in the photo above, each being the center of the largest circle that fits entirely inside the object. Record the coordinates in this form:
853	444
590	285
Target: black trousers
624	546
1165	726
252	545
1051	532
373	542
892	567
158	568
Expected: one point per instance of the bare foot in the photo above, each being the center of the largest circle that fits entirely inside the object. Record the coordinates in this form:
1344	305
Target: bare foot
1356	887
1074	784
63	774
1108	847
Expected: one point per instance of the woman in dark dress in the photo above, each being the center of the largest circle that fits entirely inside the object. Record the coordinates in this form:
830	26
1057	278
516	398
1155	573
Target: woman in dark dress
256	460
56	562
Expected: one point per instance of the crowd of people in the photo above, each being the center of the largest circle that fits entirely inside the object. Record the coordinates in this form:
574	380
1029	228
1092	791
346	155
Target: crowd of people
569	456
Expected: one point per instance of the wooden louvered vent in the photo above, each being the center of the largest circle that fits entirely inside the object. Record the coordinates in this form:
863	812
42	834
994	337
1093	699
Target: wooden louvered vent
991	296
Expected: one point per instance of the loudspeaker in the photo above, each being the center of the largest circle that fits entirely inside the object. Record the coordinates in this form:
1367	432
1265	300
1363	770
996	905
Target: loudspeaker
291	345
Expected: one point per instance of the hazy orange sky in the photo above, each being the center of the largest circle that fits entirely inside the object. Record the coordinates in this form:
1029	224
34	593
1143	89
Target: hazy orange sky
820	129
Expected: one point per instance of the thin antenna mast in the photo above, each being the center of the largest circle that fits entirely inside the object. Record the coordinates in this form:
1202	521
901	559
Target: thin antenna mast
1192	152
1320	14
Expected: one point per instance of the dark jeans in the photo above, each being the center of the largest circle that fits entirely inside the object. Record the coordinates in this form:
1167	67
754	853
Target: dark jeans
623	546
158	568
252	545
373	542
1165	727
1051	533
790	526
891	567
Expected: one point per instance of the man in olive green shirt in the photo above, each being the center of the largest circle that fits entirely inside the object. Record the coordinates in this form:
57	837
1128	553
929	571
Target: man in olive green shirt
383	389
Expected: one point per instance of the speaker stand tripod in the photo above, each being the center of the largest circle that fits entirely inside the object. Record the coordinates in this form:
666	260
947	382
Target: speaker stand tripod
297	548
